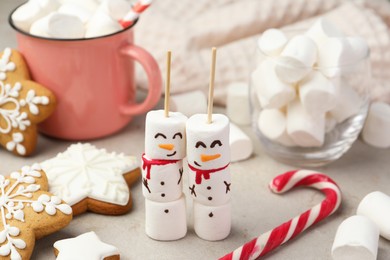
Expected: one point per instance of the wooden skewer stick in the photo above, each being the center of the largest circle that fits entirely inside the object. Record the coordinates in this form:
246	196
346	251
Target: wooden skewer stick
167	84
211	86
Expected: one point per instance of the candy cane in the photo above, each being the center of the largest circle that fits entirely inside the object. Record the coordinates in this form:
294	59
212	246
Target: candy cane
134	13
288	230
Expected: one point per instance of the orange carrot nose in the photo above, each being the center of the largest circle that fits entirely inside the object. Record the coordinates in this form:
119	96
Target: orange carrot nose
166	146
206	157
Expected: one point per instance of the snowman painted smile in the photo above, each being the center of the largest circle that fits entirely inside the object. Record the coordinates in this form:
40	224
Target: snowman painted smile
168	146
208	157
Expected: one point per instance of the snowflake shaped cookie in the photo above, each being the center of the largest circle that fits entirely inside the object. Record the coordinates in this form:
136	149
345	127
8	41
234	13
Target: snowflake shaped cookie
23	104
85	246
92	179
28	212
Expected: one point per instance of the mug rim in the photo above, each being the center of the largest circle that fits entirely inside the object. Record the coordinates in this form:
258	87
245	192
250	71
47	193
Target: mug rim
12	24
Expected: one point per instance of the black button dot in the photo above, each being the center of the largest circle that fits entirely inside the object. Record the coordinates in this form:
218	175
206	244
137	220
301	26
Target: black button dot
162	194
211	214
208	187
210	198
166	211
162	183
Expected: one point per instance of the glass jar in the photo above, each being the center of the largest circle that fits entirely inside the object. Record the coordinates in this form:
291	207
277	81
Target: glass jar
353	79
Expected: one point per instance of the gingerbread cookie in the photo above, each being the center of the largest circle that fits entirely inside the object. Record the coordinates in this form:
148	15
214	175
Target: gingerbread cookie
92	179
28	212
85	246
23	104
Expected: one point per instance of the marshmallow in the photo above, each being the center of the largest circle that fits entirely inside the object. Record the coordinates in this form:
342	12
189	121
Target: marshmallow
166	221
358	49
41	27
317	93
376	130
212	223
162	183
330	123
73	9
165	137
27	14
90	5
208	151
208	139
321	30
272	41
376	206
348	103
273	125
240	145
237	104
189	103
305	129
356	238
296	59
332	54
64	26
101	24
117	9
270	90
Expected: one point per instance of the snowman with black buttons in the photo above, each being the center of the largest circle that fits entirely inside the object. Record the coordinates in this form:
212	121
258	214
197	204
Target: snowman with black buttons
208	156
162	172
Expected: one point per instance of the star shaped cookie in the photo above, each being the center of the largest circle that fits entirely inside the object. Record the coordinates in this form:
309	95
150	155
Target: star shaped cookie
23	104
28	212
92	179
85	246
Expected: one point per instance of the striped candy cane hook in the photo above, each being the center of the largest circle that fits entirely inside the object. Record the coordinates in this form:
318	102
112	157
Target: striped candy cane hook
134	12
272	239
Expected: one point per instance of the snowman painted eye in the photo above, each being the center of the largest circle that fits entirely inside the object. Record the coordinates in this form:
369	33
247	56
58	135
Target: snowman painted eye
200	143
216	142
179	135
160	134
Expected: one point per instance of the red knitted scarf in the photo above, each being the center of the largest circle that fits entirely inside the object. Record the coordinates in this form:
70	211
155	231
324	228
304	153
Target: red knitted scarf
205	173
148	163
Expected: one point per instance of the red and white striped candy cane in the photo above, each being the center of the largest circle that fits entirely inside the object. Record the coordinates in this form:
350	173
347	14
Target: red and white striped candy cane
134	13
267	242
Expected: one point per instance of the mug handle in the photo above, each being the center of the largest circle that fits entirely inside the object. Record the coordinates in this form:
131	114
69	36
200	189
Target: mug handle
152	70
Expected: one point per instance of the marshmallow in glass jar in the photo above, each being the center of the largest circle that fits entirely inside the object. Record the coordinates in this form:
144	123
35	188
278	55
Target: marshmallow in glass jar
208	155
309	93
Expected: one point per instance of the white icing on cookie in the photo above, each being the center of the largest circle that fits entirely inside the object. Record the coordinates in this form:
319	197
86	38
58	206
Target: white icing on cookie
16	143
85	246
84	171
13	200
10	106
6	64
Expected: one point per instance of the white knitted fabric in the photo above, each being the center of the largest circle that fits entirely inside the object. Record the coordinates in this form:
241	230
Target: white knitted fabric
190	28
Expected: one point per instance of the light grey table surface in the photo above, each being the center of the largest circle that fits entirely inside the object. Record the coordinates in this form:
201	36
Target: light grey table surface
255	209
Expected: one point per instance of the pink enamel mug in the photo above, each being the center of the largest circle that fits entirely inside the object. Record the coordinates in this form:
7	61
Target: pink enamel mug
93	80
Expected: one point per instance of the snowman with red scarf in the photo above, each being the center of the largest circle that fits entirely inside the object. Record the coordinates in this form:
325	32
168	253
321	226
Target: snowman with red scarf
162	171
208	156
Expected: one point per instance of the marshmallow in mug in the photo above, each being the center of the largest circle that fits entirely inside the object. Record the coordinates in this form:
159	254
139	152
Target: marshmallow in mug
376	130
356	238
376	207
271	91
296	59
101	24
31	11
166	221
73	9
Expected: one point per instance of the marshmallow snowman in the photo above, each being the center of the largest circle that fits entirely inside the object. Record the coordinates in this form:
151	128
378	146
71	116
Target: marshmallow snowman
162	171
208	156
